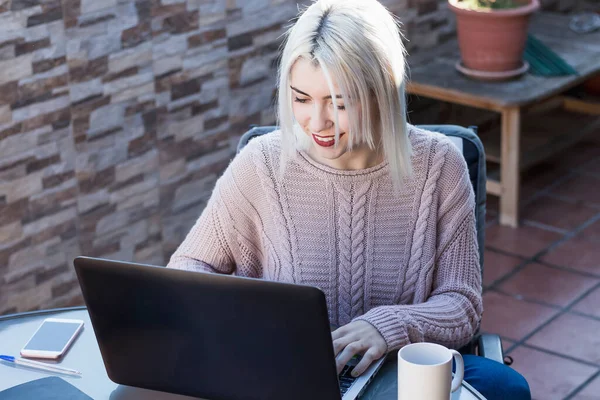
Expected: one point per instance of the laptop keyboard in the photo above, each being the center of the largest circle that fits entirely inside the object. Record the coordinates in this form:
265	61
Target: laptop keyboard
345	377
346	380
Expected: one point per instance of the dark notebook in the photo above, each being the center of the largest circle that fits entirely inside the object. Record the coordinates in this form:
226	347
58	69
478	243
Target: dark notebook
51	388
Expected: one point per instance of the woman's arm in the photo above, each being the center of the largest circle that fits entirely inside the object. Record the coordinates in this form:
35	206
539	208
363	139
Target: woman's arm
205	248
222	236
451	313
450	316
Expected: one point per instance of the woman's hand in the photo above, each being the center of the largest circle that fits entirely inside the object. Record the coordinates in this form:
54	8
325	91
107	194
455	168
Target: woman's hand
358	337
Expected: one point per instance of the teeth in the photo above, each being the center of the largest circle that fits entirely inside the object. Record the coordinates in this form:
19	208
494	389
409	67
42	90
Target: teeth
325	138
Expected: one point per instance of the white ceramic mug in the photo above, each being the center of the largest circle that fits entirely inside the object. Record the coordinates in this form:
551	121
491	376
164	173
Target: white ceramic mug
425	372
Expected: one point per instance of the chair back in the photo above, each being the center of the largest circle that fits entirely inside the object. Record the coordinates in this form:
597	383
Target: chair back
465	139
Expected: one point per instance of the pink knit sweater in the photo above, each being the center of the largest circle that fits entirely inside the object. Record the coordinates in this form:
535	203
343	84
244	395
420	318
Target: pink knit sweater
408	263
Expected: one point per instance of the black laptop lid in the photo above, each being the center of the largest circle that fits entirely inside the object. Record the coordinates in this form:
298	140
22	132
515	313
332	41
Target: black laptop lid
208	335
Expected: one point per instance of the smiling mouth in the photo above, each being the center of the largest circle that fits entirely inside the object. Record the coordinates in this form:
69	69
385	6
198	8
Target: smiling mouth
325	141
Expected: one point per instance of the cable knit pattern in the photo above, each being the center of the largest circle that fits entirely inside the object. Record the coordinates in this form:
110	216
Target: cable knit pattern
414	265
352	204
285	272
345	244
358	248
405	262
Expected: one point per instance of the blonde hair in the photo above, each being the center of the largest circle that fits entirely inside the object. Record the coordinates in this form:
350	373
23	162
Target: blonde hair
357	42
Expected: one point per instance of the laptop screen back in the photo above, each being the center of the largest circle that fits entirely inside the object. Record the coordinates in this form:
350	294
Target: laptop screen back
208	335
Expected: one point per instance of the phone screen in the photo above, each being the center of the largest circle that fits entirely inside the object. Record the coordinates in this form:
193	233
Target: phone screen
52	336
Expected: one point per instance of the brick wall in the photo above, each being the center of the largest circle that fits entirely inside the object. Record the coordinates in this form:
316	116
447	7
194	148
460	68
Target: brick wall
117	117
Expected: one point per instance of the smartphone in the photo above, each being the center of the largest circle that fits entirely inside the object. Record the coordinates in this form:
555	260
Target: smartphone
53	338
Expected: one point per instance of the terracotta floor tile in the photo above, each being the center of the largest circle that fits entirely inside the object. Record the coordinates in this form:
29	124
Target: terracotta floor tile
497	265
558	213
492	204
544	174
527	195
579	155
580	187
511	318
550	377
507	344
524	241
590	392
584	156
592	167
491	218
590	304
540	178
571	335
592	232
547	284
577	253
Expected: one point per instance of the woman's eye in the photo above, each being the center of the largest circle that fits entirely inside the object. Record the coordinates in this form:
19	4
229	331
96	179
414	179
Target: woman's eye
299	100
341	108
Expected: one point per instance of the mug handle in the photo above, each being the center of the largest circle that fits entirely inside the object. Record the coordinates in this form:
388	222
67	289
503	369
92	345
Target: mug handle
459	372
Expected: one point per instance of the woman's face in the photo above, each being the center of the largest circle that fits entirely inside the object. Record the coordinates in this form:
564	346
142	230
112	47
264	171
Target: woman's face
314	111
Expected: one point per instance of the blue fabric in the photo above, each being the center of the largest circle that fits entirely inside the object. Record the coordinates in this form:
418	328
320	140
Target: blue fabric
494	380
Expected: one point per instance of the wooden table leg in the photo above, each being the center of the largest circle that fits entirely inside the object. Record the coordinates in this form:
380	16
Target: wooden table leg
510	162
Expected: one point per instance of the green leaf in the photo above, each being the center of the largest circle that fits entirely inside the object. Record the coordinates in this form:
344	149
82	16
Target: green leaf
490	4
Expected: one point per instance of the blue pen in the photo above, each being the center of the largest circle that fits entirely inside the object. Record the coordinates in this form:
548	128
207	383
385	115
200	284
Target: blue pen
39	365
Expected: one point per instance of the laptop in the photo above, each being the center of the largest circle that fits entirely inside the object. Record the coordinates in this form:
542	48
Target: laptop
213	336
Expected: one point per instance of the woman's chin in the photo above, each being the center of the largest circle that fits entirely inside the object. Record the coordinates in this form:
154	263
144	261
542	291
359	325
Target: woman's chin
323	155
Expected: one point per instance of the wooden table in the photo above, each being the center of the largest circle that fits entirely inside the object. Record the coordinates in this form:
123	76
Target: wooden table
432	74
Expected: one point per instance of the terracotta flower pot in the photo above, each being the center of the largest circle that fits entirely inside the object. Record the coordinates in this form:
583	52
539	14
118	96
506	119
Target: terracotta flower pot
493	40
592	85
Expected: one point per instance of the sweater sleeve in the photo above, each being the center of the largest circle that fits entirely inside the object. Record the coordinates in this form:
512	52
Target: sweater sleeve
452	312
223	238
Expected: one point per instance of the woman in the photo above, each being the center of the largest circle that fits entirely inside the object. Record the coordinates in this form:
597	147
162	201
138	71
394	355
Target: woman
349	198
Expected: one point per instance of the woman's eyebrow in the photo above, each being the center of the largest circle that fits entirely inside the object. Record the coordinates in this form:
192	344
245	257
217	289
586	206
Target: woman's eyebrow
337	96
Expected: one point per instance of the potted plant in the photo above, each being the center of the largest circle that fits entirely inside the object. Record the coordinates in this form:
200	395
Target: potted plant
492	33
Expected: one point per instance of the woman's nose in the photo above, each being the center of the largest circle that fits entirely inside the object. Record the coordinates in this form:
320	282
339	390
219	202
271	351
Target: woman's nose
319	120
